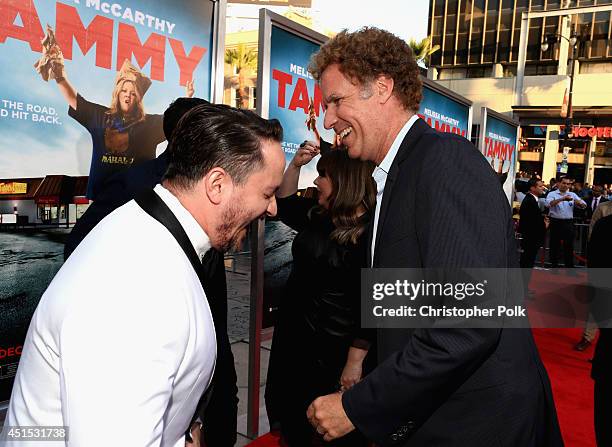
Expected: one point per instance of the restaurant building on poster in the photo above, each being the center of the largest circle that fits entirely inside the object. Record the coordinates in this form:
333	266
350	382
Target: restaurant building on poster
53	200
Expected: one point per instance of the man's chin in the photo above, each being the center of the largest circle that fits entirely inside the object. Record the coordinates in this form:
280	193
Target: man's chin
238	239
230	244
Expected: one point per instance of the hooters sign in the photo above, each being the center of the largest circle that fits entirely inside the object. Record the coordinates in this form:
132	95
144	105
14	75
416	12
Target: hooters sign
590	132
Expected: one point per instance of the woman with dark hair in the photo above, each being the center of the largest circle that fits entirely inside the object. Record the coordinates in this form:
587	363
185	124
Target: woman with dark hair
318	346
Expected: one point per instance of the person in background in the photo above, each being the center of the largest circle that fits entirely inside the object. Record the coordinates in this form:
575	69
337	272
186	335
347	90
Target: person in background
597	198
598	207
561	204
318	347
599	265
580	190
532	224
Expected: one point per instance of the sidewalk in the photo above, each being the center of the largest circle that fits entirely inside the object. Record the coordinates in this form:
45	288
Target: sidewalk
238	273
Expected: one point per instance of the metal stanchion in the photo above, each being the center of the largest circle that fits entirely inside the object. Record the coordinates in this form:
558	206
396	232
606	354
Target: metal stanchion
255	323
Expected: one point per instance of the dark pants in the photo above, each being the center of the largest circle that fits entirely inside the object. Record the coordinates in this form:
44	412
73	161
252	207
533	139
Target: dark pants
528	258
562	230
529	254
603	412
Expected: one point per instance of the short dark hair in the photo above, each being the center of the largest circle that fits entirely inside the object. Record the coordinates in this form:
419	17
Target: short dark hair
175	112
216	135
533	181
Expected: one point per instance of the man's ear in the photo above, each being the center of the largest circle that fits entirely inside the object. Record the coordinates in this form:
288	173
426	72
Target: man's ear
383	86
217	184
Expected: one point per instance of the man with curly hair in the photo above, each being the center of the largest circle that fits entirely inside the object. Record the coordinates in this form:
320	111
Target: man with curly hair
439	205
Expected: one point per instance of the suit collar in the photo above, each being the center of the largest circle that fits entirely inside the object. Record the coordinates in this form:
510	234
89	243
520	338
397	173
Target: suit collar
418	128
385	165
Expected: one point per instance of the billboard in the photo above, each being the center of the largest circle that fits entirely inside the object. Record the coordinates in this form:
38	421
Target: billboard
444	110
288	93
498	142
291	91
61	120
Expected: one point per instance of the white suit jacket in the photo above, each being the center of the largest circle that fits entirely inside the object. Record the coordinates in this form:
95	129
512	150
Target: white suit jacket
122	344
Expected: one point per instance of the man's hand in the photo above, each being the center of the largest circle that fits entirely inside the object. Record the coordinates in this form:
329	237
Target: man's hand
189	90
327	416
196	435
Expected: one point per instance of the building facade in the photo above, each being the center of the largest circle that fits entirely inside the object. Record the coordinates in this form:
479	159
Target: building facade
54	200
478	58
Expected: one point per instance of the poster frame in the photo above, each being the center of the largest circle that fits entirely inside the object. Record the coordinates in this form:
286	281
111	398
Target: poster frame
487	112
436	87
267	19
218	51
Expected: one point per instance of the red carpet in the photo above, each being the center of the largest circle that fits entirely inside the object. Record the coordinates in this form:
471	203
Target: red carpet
569	373
267	440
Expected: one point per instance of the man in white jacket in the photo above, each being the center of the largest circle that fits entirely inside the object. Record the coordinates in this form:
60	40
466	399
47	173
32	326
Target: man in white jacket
122	344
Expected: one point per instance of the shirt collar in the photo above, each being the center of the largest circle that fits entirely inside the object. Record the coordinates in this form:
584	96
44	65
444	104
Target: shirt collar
385	165
196	234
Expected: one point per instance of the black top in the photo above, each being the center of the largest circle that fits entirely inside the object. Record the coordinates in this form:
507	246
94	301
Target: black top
324	285
141	140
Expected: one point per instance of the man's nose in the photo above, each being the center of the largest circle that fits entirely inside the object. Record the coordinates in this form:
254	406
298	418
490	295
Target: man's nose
330	118
271	211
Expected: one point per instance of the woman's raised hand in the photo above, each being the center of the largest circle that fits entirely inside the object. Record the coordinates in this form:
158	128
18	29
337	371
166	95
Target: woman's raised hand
306	152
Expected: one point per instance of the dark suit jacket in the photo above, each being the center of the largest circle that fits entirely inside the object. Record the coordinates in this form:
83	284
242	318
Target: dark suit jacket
219	417
589	202
600	247
532	221
443	206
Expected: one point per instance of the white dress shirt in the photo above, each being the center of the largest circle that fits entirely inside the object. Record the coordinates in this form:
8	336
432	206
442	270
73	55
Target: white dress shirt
565	209
122	344
381	171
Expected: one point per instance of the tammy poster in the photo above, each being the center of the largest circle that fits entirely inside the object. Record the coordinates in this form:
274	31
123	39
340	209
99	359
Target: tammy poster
287	92
498	139
445	111
50	159
292	89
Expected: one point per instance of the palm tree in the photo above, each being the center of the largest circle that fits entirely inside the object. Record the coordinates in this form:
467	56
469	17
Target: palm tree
423	49
243	60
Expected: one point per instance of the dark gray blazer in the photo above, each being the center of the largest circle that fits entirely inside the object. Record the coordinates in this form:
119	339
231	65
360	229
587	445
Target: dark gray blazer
443	206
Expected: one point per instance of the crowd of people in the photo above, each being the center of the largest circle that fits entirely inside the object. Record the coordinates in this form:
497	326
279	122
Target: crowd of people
393	195
555	210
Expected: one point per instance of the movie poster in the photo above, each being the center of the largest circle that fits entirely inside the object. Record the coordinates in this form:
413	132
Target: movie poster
444	113
52	161
291	95
292	89
498	141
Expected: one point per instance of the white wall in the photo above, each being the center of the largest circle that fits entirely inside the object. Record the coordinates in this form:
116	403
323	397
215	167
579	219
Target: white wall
24	208
497	93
